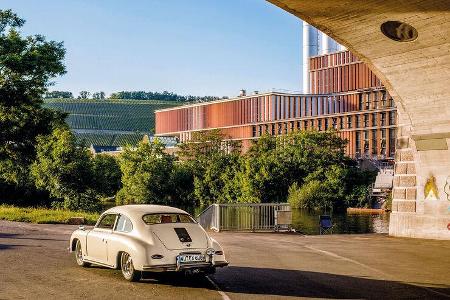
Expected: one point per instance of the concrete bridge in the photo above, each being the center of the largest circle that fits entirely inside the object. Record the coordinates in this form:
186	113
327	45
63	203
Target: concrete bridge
412	58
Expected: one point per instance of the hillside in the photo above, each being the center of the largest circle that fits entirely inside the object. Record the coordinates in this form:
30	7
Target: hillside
109	122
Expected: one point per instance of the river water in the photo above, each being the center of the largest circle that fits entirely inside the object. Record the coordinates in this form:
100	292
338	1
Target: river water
307	222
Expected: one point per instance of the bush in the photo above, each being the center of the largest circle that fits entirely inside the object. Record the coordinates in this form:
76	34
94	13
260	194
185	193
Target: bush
310	195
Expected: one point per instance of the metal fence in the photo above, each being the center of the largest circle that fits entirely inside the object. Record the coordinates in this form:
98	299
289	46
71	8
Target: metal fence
241	216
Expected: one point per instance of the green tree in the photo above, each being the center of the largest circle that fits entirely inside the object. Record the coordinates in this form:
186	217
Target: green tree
146	174
211	157
84	95
64	169
27	64
106	175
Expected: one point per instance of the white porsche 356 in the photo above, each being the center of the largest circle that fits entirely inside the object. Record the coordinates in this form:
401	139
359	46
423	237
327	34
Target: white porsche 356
138	238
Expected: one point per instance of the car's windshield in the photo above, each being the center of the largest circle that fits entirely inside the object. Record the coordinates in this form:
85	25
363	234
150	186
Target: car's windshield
162	218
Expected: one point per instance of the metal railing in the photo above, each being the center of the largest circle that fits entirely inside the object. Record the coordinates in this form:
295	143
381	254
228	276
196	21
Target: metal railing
241	216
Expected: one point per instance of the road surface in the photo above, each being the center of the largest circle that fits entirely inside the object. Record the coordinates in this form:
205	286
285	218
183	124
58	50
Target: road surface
34	264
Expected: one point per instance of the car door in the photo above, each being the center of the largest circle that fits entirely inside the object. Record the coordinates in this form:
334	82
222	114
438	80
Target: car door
97	239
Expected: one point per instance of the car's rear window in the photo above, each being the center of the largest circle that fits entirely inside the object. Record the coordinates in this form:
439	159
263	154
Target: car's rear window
152	219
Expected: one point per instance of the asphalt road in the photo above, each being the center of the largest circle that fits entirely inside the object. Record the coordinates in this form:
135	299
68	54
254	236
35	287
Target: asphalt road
34	264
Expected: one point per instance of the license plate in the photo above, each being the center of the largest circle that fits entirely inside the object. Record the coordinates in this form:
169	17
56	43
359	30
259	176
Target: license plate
189	258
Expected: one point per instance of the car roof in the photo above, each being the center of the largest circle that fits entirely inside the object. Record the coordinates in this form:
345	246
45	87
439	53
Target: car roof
138	210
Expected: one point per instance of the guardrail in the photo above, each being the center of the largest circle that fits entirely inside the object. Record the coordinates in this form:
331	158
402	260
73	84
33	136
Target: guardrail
243	217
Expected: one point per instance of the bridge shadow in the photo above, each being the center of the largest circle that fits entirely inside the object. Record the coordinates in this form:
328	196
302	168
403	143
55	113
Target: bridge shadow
297	283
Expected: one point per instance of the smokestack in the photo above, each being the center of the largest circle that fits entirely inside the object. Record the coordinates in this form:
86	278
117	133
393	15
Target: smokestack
310	48
325	49
328	45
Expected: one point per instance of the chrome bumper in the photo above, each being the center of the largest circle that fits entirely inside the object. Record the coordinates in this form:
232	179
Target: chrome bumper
180	267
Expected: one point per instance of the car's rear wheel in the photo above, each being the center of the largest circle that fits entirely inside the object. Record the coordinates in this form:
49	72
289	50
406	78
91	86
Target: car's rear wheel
79	255
127	267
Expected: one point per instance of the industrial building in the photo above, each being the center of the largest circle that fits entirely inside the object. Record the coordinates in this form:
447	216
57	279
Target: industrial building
339	92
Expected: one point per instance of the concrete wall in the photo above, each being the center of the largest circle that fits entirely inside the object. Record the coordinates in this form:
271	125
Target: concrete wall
417	75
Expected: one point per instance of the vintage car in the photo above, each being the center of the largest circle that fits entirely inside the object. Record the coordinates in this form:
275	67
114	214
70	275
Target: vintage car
139	238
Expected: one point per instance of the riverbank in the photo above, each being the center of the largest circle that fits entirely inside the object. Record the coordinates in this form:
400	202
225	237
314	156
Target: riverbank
44	215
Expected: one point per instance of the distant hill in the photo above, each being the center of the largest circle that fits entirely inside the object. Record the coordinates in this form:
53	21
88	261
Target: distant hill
110	122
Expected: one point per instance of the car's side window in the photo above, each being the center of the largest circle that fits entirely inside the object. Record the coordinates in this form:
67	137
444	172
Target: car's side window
107	222
124	224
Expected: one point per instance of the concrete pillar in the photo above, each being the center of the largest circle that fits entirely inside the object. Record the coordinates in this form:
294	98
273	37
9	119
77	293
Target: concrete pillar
421	193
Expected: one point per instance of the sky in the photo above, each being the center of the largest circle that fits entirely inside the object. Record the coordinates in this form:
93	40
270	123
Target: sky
196	47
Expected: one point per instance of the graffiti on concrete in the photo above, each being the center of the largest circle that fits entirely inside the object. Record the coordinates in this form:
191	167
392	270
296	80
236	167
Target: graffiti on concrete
447	188
430	190
447	192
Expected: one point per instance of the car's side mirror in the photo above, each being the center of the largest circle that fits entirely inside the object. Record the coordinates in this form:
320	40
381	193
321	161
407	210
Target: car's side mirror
81	227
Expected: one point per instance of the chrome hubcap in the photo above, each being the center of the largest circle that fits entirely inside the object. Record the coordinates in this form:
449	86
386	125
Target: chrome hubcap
78	253
127	265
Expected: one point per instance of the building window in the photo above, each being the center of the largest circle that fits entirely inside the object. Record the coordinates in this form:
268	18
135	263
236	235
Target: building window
391	102
360	106
383	99
392	118
335	123
374	142
311	124
358	144
253	131
326	124
374	120
298	125
367	100
292	126
273	129
366	143
280	128
286	126
358	121
319	125
260	130
383	119
366	120
305	125
375	100
349	122
341	122
392	135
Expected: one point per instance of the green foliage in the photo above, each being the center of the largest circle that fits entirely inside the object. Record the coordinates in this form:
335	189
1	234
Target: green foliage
146	174
118	115
213	162
43	215
27	64
164	96
59	94
65	170
308	196
106	175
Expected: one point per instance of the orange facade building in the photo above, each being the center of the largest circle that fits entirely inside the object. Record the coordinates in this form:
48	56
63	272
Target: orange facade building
345	96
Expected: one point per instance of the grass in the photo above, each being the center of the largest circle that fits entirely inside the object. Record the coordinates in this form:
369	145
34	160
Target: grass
43	215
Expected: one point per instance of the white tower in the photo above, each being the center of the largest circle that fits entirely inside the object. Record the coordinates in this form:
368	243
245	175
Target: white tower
310	48
315	43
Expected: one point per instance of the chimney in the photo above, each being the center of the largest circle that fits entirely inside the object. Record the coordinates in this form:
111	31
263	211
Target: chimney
242	93
255	92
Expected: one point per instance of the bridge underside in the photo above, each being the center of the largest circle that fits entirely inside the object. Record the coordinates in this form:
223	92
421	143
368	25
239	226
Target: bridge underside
417	75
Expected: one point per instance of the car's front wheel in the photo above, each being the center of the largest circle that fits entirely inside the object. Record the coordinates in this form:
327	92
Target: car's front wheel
79	255
127	267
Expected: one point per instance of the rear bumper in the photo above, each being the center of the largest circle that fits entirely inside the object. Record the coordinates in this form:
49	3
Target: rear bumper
181	267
